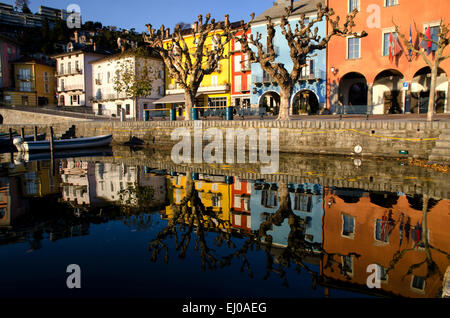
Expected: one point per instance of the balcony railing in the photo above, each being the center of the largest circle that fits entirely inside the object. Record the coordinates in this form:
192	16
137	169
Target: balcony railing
25	78
262	79
101	97
69	88
172	90
74	71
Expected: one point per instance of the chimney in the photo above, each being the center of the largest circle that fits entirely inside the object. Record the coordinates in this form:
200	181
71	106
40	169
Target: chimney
196	26
76	36
227	20
167	33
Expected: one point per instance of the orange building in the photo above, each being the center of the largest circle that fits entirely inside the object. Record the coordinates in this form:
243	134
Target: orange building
376	226
241	192
361	74
240	73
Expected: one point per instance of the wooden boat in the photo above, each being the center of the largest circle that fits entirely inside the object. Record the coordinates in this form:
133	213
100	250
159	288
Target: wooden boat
6	142
446	285
23	157
64	144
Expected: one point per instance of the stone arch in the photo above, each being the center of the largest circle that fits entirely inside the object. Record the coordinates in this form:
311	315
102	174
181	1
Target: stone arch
420	91
271	101
353	89
305	101
388	91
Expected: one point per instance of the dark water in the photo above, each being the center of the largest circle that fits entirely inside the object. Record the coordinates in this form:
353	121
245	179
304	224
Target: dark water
137	231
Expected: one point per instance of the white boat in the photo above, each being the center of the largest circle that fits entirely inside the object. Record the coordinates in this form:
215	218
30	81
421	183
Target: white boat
65	144
446	285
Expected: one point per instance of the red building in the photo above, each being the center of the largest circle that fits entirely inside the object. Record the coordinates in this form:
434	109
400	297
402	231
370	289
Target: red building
9	52
241	74
361	72
240	205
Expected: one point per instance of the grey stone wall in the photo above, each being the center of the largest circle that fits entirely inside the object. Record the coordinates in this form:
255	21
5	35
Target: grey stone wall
11	116
331	137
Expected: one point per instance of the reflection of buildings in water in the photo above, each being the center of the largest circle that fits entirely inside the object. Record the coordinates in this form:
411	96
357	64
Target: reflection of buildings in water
377	226
213	191
78	182
306	203
11	205
157	183
112	179
38	179
241	192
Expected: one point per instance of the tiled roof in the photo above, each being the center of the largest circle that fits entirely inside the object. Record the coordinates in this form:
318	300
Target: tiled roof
278	10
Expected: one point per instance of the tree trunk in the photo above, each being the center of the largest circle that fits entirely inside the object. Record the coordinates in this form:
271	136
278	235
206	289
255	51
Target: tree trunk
285	103
189	100
138	113
432	100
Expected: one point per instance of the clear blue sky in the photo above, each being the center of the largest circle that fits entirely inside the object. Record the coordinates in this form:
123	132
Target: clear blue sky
129	14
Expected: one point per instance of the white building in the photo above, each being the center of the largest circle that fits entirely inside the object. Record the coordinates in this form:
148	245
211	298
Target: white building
74	76
108	100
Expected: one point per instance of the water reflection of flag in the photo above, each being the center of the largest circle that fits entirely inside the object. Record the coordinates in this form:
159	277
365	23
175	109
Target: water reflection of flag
402	219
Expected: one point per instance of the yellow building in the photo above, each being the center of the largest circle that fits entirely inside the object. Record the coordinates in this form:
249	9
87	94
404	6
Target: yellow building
215	89
34	84
214	193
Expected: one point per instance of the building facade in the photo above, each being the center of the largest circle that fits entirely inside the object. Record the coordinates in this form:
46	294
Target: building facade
241	79
9	52
34	84
309	93
74	76
361	74
11	17
363	228
108	100
215	89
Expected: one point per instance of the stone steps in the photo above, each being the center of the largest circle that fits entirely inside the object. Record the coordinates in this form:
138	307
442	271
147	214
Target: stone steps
441	152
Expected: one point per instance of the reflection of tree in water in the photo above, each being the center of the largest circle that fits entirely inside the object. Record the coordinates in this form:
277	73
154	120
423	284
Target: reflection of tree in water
423	243
61	220
191	217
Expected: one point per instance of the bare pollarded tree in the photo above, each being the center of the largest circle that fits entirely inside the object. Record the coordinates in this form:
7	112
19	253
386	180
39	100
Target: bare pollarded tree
303	42
188	64
433	61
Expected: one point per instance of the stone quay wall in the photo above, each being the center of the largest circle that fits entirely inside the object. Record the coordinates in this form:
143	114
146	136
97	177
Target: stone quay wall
389	139
11	116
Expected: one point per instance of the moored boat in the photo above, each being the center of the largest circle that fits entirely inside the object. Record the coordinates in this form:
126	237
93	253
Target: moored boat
64	144
6	142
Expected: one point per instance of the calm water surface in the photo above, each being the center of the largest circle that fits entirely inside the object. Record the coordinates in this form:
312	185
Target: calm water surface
139	230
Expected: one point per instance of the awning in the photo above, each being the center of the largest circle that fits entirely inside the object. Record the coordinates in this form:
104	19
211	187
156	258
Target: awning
172	99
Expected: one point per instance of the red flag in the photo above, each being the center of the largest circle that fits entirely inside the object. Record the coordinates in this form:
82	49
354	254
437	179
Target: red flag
429	43
391	46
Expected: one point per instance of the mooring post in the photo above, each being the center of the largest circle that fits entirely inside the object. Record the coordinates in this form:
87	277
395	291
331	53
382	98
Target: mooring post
10	136
35	133
23	133
52	150
52	141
